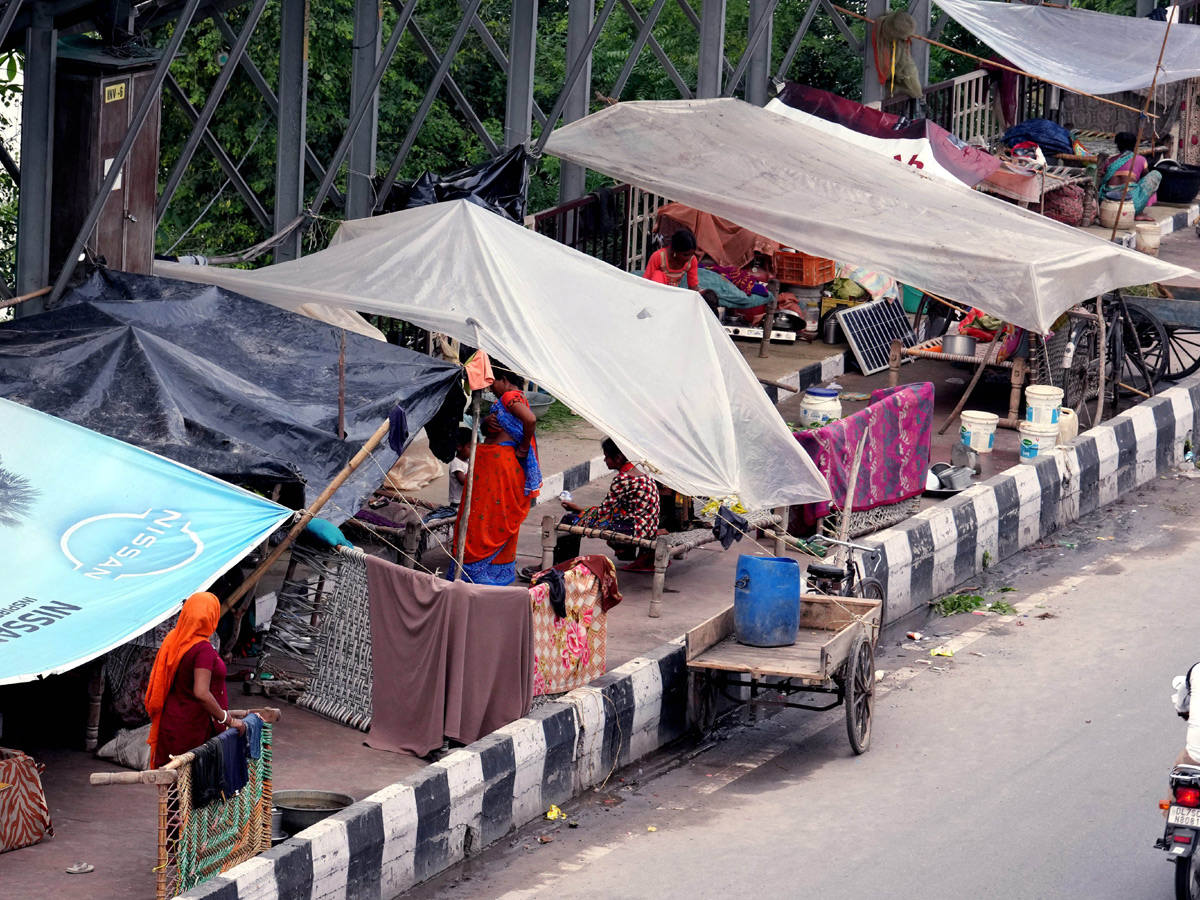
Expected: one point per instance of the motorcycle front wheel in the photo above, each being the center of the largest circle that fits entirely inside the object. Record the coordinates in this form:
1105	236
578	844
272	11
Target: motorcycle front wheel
1187	878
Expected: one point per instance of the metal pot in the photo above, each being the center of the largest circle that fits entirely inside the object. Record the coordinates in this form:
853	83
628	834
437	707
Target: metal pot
958	345
304	808
831	330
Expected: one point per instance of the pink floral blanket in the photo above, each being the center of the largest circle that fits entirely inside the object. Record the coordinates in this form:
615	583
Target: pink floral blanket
899	421
570	652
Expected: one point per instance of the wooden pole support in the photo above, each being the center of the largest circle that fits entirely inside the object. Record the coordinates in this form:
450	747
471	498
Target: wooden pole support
464	513
995	348
307	516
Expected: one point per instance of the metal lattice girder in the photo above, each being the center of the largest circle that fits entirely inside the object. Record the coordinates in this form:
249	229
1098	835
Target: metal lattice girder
850	36
10	165
872	91
200	125
259	81
645	36
709	69
498	54
360	108
794	46
698	22
365	46
572	178
37	153
585	55
938	27
920	10
431	92
292	123
153	90
522	52
455	92
10	13
224	160
761	14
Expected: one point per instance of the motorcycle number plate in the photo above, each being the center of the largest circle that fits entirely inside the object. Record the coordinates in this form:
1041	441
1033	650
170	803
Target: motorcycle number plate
1182	815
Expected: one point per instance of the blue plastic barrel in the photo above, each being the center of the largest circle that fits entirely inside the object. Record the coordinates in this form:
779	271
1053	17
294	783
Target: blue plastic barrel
766	601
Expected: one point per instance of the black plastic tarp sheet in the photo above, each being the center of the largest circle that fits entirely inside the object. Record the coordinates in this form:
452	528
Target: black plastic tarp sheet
233	387
498	185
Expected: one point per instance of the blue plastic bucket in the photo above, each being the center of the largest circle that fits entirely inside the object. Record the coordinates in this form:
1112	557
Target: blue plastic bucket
766	601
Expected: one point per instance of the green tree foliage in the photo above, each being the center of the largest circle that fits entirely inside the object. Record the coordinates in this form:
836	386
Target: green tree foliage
208	216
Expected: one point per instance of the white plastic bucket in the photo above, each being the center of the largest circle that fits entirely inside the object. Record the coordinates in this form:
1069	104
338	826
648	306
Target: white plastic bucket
1147	236
978	429
1108	214
1036	440
1042	403
1068	425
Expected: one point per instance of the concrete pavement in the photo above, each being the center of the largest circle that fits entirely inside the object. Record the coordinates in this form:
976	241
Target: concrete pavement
1030	771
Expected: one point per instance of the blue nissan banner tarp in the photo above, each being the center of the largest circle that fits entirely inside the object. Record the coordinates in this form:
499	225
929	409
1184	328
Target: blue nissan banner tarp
101	541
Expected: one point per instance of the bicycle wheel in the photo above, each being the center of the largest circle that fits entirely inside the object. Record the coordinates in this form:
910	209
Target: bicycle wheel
1150	340
872	589
1081	377
1183	352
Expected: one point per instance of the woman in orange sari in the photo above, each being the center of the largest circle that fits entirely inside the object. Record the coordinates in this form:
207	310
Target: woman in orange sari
499	505
186	694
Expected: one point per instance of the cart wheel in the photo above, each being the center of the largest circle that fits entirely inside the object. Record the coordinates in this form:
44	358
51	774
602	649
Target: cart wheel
860	694
872	589
1081	379
1151	339
1183	354
704	701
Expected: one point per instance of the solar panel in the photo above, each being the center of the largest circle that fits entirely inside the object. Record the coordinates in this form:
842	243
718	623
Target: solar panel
870	329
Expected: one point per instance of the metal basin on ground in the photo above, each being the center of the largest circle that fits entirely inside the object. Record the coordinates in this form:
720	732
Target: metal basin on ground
303	808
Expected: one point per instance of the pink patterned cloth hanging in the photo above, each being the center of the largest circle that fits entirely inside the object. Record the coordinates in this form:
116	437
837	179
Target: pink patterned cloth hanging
570	652
899	421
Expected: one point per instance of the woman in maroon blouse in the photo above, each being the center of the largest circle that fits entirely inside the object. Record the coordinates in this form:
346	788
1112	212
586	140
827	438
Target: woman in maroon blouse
186	695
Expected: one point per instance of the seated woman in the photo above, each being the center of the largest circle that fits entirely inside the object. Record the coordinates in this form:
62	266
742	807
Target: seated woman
1130	167
512	415
631	507
499	505
676	265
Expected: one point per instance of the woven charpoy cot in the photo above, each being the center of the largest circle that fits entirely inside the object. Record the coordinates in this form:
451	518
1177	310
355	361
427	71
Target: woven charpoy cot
196	844
569	652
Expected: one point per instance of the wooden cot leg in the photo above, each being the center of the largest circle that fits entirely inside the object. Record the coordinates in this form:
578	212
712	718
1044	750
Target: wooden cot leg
782	512
549	541
894	359
662	557
411	545
1018	382
95	695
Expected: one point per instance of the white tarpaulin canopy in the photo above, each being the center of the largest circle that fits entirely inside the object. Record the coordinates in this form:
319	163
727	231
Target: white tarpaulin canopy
647	364
824	195
1093	52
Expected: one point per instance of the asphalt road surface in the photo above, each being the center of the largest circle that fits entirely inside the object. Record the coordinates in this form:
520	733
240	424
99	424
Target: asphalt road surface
1028	766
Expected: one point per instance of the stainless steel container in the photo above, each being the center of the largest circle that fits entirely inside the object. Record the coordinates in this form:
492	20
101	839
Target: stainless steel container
958	345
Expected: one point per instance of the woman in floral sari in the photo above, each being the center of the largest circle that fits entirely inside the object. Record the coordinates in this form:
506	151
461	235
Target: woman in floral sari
1129	167
499	506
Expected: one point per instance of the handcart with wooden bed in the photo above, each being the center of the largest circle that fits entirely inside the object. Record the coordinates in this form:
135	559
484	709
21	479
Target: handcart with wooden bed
831	664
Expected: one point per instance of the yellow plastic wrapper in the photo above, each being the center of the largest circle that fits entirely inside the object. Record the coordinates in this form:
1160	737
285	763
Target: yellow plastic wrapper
941	651
555	813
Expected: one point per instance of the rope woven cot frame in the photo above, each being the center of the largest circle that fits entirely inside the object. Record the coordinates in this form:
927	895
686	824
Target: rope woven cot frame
342	678
196	844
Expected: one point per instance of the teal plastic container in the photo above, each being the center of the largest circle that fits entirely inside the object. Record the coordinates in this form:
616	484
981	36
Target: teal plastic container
766	601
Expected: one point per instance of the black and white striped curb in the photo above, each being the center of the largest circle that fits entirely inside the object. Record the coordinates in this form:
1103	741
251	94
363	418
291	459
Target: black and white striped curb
1182	219
947	544
571	478
819	372
412	830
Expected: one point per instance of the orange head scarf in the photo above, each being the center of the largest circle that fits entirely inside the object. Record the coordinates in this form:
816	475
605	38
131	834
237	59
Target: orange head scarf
197	621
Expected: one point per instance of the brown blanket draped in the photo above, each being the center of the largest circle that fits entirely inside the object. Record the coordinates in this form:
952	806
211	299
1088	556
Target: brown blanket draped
449	659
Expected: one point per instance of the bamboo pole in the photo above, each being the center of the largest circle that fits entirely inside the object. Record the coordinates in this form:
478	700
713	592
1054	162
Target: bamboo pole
975	380
851	486
1141	122
308	514
1103	339
40	292
342	389
464	513
1014	70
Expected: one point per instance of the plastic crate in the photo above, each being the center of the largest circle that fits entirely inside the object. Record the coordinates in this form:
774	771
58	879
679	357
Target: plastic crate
794	267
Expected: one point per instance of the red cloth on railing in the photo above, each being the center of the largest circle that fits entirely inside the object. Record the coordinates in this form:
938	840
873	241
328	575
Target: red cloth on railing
899	421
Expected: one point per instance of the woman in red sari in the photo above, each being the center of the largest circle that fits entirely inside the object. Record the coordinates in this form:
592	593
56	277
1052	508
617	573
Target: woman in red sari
499	506
186	694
